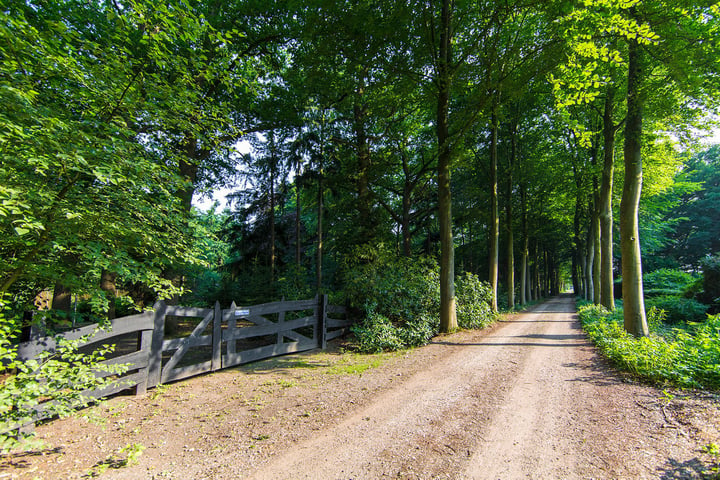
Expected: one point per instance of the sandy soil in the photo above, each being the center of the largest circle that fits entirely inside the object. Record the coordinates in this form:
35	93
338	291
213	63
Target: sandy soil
527	398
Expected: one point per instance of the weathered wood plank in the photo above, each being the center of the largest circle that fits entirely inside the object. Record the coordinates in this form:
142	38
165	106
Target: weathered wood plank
122	383
144	343
267	352
232	325
175	343
138	359
269	308
289	334
217	338
192	340
119	326
268	329
281	322
184	372
156	345
333	323
321	328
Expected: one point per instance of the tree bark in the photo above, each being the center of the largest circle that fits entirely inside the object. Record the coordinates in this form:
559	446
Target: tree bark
448	317
509	219
62	298
524	255
319	257
494	220
632	287
297	219
607	296
590	264
272	210
363	173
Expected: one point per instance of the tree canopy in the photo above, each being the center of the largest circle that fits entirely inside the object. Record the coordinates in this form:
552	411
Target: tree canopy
481	135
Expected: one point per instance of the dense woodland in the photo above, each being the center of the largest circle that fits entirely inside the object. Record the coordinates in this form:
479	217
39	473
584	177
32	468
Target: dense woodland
385	152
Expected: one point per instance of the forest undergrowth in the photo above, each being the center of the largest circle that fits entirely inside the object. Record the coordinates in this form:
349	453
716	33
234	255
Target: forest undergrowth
685	355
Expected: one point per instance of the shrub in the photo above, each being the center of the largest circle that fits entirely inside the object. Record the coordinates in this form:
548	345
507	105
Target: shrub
711	281
685	358
667	281
679	309
398	299
473	302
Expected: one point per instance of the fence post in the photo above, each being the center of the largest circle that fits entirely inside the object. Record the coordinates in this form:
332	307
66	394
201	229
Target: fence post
232	325
322	321
144	344
216	363
156	345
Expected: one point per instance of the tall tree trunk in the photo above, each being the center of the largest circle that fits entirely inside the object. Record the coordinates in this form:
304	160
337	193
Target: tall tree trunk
632	287
188	169
607	295
524	255
107	285
364	160
509	218
297	219
272	211
408	186
577	259
494	220
448	317
590	282
319	257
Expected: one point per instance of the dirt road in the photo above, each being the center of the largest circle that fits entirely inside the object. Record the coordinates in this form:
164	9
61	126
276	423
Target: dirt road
528	398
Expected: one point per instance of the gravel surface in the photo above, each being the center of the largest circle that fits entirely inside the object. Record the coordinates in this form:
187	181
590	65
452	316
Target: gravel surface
529	397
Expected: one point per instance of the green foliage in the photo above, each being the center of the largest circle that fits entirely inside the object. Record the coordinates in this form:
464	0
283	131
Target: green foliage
711	280
667	281
679	309
52	382
376	334
473	302
397	297
685	358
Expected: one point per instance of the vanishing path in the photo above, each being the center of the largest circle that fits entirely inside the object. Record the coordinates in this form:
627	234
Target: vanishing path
531	399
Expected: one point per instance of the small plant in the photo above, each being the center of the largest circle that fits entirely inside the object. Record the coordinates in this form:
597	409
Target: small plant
678	309
127	455
713	450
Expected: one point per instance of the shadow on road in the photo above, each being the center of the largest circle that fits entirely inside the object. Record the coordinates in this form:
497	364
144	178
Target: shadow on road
693	468
598	371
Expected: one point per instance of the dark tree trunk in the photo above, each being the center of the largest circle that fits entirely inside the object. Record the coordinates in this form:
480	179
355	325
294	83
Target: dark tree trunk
62	298
448	318
494	220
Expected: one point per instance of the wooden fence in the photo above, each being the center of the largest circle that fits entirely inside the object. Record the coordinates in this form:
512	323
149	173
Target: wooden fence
220	338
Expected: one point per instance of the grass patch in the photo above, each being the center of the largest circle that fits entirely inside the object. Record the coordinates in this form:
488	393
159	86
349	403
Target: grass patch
357	365
687	357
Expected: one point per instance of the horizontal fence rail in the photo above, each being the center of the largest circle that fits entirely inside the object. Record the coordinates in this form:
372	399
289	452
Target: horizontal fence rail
220	338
